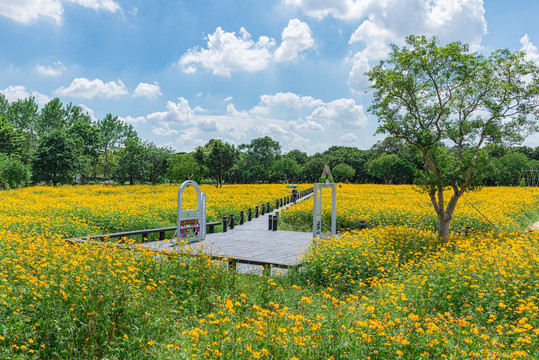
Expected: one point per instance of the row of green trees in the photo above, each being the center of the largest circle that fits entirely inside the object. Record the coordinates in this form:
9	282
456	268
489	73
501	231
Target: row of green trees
387	162
61	143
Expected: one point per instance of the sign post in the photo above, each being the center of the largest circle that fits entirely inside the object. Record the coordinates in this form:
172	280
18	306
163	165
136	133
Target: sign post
317	210
191	224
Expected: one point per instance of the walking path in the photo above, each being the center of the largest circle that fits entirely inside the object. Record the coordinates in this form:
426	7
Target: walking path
252	241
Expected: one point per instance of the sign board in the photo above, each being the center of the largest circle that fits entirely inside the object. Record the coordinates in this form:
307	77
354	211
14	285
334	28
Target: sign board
191	224
317	210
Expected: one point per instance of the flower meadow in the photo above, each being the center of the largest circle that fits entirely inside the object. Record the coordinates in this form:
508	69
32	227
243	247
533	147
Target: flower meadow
392	291
381	205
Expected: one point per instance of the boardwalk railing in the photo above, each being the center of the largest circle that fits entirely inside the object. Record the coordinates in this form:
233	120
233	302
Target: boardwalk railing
228	222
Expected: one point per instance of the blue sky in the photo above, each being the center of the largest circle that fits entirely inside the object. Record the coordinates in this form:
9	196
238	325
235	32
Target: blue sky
184	72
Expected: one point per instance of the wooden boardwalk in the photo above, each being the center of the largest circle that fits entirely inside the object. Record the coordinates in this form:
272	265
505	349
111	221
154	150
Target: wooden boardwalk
252	241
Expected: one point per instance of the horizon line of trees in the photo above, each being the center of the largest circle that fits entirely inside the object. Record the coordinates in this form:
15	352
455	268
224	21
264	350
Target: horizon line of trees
61	144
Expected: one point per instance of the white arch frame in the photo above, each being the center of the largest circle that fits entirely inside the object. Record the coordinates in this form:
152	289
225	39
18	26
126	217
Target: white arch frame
317	210
194	219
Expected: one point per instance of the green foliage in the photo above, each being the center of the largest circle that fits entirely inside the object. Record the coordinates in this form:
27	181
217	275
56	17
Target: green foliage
286	168
258	159
10	140
13	172
55	160
183	167
344	171
508	168
131	164
217	156
427	94
112	133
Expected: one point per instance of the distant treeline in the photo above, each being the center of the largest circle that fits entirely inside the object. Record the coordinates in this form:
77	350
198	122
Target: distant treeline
61	144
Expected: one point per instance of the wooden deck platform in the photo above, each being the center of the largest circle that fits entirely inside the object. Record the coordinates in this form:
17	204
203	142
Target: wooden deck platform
252	241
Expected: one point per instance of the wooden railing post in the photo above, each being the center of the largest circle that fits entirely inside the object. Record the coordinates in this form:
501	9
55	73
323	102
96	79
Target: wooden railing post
256	212
225	224
231	221
241	217
249	214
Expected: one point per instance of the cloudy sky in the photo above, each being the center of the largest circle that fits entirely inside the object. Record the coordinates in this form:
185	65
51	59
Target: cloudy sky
184	72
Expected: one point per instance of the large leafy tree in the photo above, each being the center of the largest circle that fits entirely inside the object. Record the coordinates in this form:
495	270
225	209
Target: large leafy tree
431	95
24	116
183	167
55	160
286	168
344	172
218	157
53	117
259	157
112	133
156	159
131	165
11	141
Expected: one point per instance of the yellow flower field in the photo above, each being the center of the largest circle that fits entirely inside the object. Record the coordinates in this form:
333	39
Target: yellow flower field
388	292
380	205
97	209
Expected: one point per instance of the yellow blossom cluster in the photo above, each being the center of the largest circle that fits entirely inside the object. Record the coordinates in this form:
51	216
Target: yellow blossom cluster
98	209
381	205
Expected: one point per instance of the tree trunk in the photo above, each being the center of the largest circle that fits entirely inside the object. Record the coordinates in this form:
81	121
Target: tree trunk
443	225
444	214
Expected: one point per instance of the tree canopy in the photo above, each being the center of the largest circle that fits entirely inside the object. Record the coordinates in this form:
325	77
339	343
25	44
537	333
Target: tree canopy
454	106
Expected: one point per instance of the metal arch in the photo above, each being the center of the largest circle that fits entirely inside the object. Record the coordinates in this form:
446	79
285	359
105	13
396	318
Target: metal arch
185	215
317	210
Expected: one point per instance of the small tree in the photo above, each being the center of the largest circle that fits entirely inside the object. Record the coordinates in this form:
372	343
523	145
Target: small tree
430	95
13	173
344	171
183	167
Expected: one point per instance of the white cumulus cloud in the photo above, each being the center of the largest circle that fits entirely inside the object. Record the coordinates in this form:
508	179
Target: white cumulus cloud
28	11
227	52
179	112
56	69
339	9
296	37
88	89
289	99
349	138
106	5
307	125
164	130
133	120
147	90
343	113
382	22
531	50
19	92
